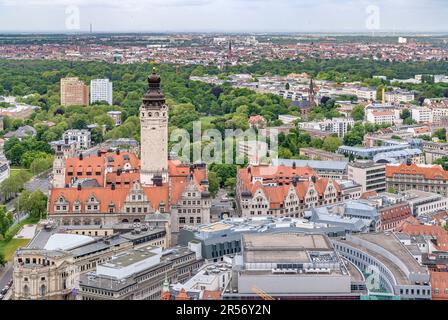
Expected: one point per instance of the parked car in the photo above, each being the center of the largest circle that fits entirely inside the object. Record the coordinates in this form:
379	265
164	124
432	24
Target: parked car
10	283
4	290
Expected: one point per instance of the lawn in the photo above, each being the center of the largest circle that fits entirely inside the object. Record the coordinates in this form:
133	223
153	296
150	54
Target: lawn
8	248
15	171
9	245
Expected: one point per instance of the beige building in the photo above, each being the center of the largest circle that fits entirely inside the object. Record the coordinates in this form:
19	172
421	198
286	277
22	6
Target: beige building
117	187
140	274
371	176
49	268
74	92
409	176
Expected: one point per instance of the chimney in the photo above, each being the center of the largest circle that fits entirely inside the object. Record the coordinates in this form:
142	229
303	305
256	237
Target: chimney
117	151
112	186
119	172
98	153
79	186
80	156
314	179
294	181
294	165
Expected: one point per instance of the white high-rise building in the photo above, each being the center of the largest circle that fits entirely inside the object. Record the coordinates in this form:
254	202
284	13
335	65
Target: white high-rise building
101	90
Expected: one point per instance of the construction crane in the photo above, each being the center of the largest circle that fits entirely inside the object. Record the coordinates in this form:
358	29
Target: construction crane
262	293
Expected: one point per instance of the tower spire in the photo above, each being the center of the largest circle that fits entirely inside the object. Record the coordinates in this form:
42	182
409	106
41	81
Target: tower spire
166	288
154	134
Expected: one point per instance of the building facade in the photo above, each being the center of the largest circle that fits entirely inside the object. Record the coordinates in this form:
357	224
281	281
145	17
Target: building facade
407	176
81	137
371	176
118	187
101	90
74	92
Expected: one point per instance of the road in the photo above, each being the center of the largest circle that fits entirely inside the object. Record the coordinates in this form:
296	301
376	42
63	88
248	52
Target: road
5	274
39	183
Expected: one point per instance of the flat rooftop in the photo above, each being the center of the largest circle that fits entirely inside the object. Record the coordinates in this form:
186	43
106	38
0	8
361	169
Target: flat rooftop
365	164
286	241
130	258
391	244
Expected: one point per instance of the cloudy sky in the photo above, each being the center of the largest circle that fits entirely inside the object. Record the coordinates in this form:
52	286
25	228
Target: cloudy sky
224	15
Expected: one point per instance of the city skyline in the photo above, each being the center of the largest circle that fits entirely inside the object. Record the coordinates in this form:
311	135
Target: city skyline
214	16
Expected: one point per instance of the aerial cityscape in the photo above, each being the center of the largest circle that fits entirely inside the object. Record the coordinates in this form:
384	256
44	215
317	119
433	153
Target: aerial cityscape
176	158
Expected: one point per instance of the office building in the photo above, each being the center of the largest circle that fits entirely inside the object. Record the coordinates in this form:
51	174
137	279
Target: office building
371	176
222	238
101	90
74	92
138	274
290	266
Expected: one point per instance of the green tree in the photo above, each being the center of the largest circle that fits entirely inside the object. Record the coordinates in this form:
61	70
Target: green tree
443	161
14	185
40	165
5	221
35	203
230	183
30	156
2	259
440	134
331	143
213	183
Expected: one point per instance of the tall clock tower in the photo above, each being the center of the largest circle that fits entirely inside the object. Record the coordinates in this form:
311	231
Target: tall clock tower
154	134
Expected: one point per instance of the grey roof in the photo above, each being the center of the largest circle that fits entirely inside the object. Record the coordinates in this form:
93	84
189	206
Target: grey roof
322	215
315	164
22	132
392	156
98	245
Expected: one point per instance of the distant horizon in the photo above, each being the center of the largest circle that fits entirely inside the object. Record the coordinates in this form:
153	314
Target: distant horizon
224	16
388	33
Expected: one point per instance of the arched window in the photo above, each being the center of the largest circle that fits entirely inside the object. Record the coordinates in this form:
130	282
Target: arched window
43	290
26	291
125	221
136	220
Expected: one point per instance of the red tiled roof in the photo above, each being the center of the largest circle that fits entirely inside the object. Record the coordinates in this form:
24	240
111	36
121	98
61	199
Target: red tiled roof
179	177
434	172
211	295
256	119
277	194
419	229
